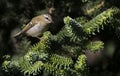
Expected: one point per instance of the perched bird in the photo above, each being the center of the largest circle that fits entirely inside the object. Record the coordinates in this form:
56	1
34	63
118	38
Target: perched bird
37	26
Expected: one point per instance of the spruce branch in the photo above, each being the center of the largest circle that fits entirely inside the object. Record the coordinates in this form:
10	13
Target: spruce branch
95	46
49	68
33	61
30	68
81	64
100	20
10	66
72	28
61	62
43	45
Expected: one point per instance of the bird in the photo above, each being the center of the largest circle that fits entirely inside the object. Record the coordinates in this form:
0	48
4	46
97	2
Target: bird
37	26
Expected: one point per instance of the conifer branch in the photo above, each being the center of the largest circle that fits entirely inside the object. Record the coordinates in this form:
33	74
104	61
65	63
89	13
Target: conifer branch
100	20
81	64
95	46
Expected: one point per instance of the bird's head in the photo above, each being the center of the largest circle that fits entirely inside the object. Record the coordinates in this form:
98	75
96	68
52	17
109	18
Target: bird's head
47	18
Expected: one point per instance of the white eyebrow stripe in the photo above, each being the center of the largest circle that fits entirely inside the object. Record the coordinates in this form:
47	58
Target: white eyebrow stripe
45	15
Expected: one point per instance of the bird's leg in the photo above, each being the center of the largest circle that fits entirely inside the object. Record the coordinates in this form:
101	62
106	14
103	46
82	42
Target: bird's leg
40	37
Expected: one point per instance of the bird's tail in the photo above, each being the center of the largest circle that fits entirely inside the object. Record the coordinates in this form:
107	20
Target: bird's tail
18	35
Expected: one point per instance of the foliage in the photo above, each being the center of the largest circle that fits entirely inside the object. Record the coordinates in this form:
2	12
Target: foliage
81	64
95	46
97	23
60	54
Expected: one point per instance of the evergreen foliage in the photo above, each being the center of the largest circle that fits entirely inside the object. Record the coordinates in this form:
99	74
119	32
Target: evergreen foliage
61	54
81	63
99	21
95	46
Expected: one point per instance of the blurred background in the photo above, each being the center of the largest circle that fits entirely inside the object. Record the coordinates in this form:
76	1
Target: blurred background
14	14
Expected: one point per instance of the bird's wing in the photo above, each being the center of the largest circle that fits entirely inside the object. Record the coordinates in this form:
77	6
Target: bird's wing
27	27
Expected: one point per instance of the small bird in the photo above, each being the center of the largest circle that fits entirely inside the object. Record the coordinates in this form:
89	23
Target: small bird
37	26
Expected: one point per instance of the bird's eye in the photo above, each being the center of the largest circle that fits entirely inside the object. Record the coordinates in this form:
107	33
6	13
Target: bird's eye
47	18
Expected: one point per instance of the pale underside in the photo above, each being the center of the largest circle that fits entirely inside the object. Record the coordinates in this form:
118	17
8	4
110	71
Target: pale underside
36	30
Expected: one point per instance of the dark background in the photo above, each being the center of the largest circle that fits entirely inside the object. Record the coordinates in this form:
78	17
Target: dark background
16	13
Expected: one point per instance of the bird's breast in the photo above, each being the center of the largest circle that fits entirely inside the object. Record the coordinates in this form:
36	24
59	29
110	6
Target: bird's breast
36	30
